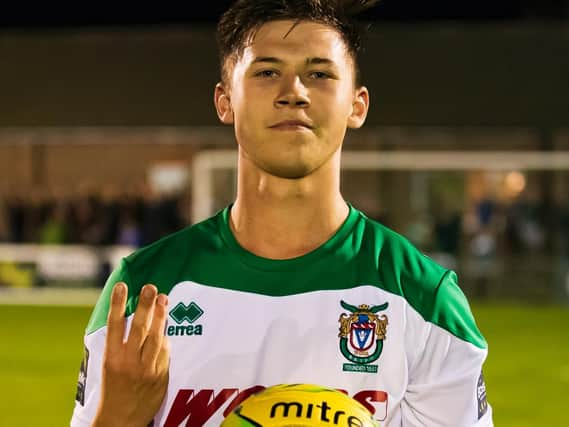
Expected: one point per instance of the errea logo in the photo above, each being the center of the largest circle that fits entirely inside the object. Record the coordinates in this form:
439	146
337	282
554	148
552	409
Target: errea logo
185	315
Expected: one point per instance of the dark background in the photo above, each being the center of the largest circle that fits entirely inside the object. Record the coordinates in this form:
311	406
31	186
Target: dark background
428	63
208	12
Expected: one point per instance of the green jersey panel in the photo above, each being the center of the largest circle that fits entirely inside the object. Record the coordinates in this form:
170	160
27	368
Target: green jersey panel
362	251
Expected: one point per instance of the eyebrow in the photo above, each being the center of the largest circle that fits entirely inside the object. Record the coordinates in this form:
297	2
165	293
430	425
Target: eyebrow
309	61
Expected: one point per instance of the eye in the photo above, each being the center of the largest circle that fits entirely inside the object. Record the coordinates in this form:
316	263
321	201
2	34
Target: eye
266	73
319	75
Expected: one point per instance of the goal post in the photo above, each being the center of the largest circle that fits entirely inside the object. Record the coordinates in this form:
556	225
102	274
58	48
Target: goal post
207	162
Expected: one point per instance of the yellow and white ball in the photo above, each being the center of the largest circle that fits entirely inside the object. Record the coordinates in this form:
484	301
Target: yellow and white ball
299	405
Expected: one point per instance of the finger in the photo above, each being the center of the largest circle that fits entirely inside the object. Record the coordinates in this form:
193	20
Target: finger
153	342
142	318
163	358
116	319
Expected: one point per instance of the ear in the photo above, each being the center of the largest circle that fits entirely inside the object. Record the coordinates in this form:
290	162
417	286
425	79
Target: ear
223	104
360	107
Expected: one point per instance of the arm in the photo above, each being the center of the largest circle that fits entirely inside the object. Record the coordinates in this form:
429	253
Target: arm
446	387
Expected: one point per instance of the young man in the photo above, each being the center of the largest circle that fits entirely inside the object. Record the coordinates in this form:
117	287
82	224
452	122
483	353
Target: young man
289	284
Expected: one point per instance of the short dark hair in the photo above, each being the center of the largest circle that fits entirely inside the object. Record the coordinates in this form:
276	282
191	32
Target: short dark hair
240	22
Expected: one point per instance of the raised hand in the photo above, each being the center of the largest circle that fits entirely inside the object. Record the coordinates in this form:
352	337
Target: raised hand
135	370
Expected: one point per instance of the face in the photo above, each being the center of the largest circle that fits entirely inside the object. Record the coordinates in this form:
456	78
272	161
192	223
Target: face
291	96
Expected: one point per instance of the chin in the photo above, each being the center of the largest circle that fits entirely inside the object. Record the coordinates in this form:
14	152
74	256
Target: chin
293	171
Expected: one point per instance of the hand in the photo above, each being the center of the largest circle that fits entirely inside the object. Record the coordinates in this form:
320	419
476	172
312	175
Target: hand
135	371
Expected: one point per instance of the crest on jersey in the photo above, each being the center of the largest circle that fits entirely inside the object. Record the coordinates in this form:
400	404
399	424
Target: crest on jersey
362	332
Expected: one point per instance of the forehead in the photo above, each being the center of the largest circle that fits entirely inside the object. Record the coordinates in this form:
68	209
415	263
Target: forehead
289	39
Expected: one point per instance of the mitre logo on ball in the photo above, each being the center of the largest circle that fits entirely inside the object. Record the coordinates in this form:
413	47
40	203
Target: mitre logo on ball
300	405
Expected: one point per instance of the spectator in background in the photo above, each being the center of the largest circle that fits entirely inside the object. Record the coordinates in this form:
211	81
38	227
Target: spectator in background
54	230
486	211
151	215
128	230
37	207
89	220
4	228
16	217
92	216
26	210
482	226
563	224
161	215
448	229
110	210
419	230
447	232
528	220
525	224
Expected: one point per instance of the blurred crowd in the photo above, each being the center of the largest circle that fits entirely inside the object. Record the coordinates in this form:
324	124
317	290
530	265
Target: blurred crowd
520	247
493	244
489	226
134	217
138	216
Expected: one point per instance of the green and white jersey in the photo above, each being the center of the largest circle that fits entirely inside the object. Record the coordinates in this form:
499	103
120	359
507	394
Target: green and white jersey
366	313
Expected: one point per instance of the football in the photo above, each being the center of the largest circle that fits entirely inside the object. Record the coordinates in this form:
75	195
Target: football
299	405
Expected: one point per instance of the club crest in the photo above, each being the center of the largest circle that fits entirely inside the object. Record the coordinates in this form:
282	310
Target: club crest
362	332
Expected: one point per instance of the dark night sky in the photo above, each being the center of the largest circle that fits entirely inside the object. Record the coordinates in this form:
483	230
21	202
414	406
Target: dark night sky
207	12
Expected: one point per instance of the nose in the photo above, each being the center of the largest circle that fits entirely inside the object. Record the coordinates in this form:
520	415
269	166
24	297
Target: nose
293	94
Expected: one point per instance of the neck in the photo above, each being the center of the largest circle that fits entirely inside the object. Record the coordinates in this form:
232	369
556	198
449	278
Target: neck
281	218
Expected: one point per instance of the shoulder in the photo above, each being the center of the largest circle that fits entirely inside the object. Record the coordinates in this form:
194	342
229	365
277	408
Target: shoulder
399	260
161	263
169	259
427	287
185	241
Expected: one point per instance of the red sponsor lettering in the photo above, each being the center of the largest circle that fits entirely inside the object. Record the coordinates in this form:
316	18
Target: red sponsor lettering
198	407
367	396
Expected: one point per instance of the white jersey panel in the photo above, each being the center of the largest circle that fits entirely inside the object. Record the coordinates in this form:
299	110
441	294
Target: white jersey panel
225	343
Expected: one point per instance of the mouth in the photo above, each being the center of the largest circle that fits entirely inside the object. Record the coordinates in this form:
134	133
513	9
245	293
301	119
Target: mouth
292	125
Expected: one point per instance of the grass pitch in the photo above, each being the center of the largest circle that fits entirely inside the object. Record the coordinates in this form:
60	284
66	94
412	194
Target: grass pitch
527	371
